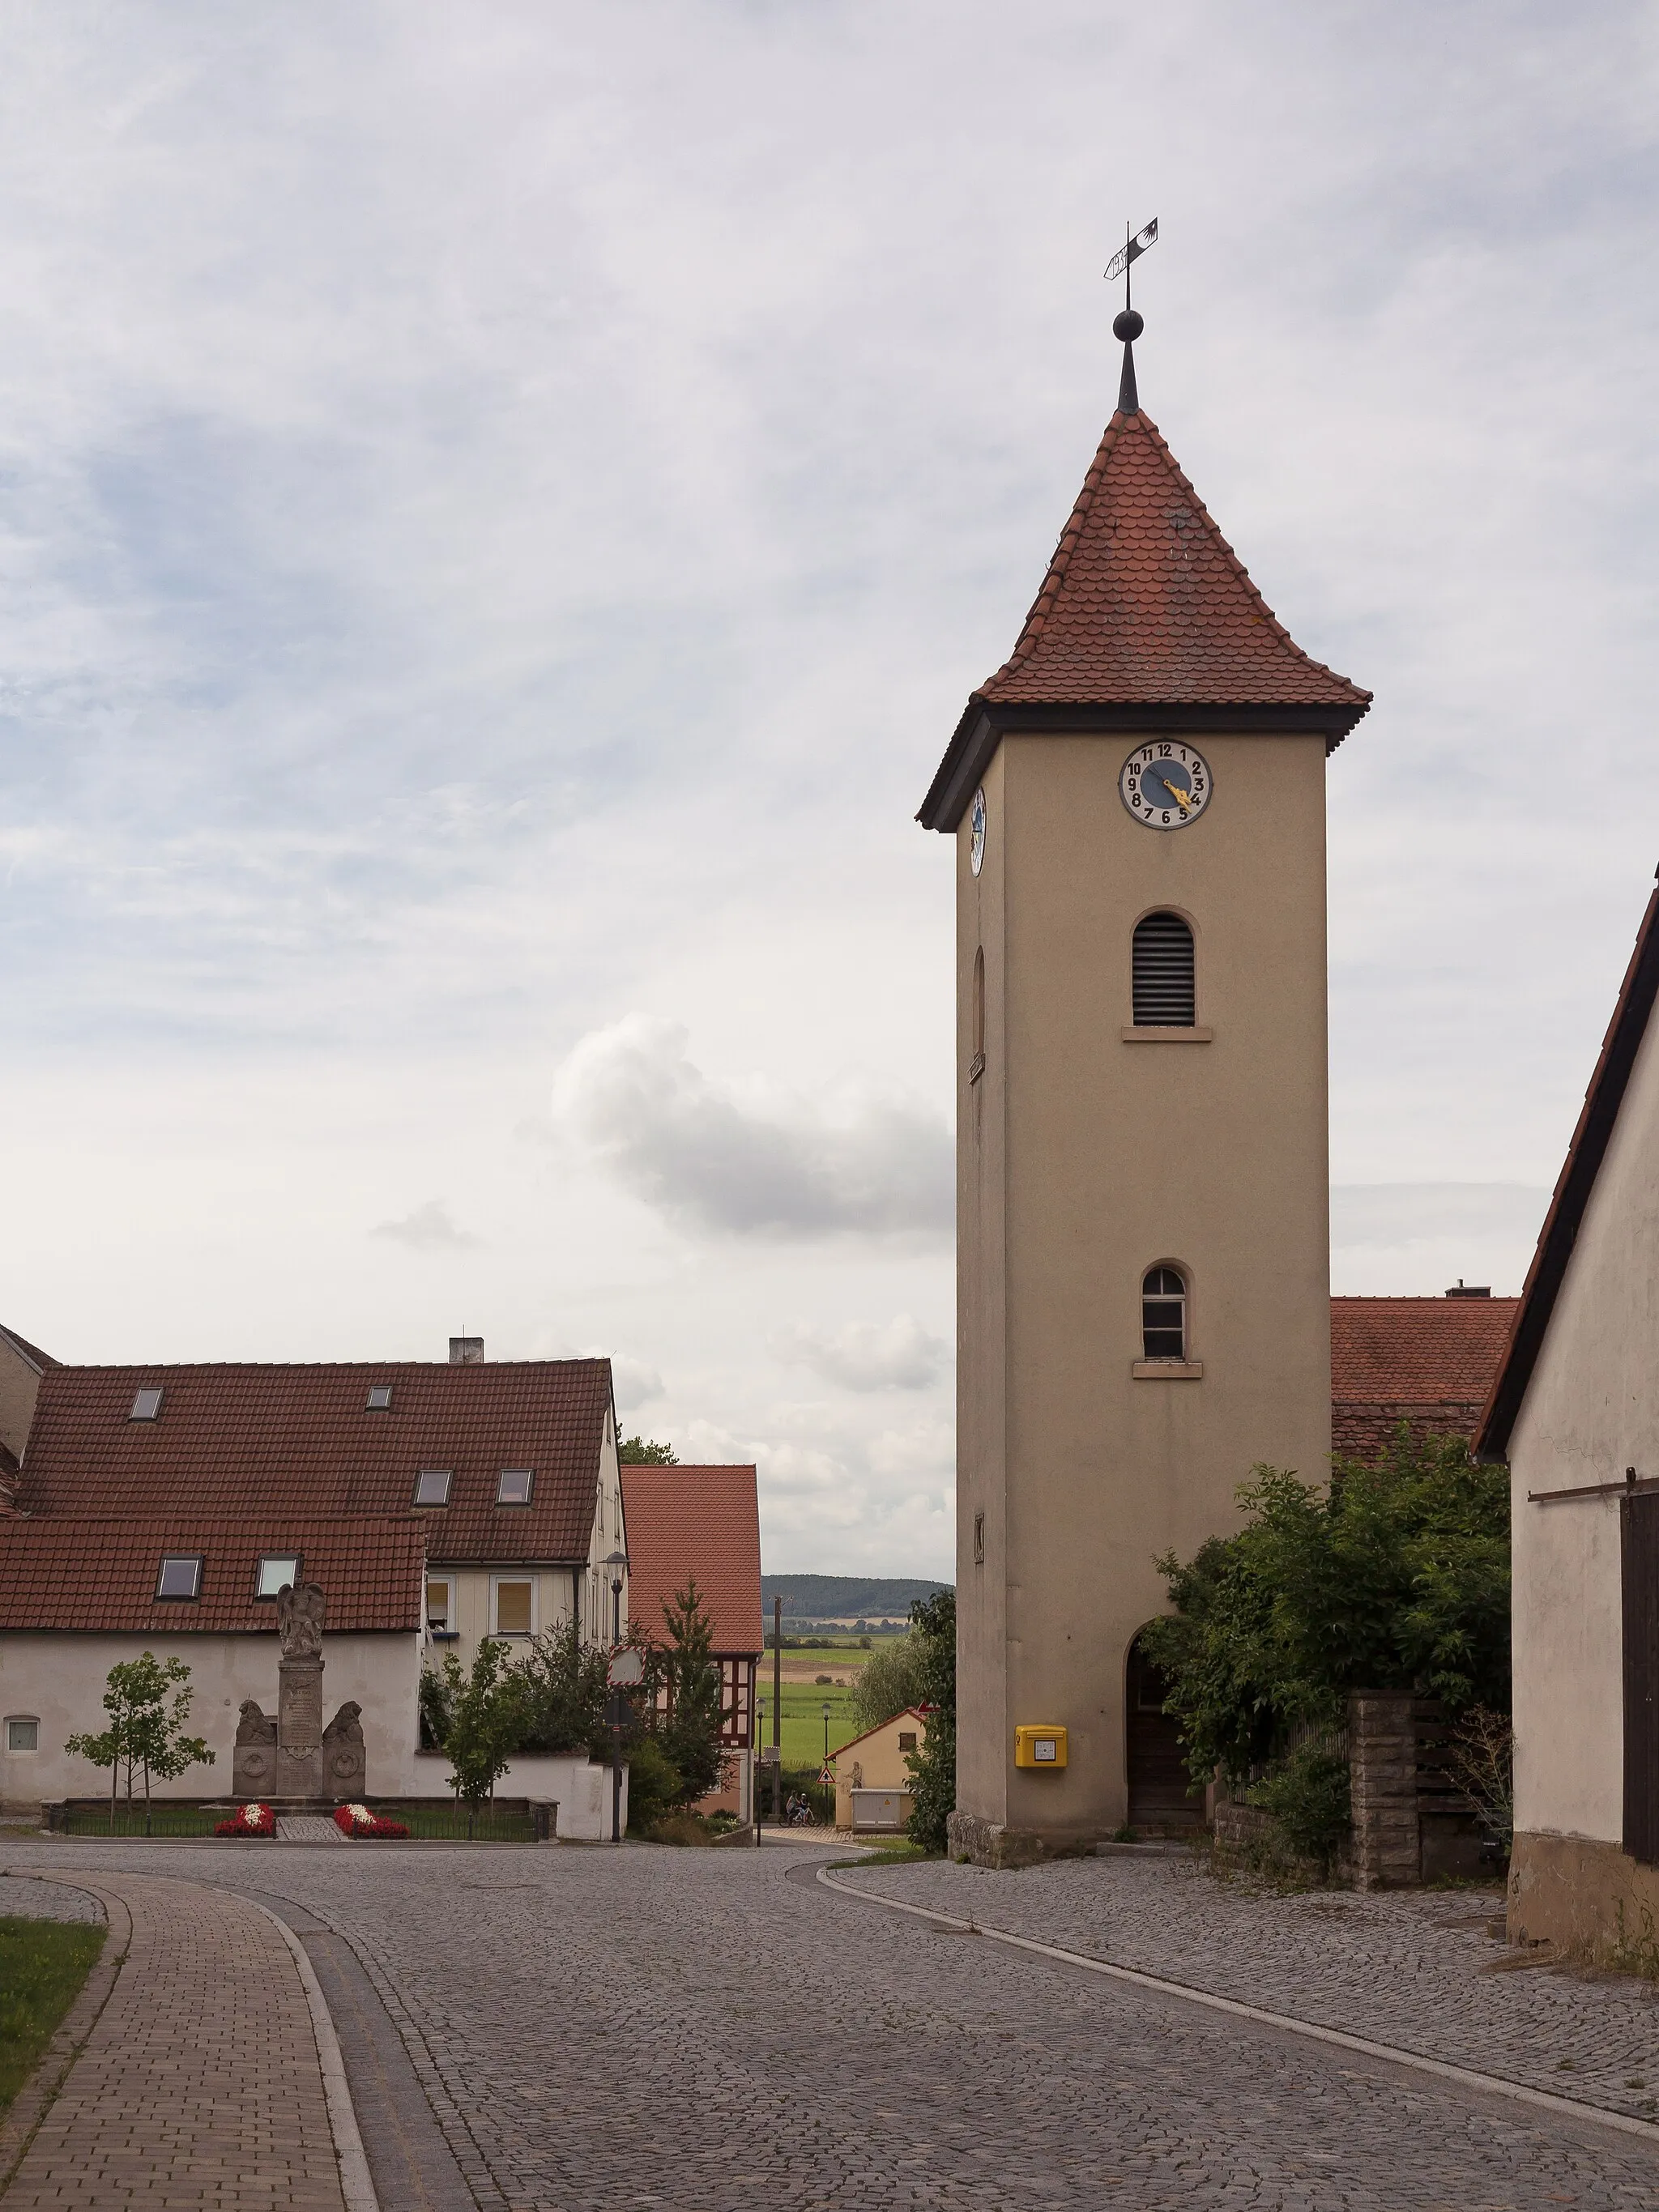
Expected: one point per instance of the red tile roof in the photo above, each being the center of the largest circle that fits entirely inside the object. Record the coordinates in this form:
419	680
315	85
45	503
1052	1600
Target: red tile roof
1427	1361
1144	600
100	1575
261	1441
702	1521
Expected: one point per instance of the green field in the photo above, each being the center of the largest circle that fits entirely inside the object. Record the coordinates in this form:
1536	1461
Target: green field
803	1720
43	1964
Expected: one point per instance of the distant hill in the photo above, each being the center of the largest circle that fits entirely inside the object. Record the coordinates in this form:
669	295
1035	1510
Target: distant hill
844	1598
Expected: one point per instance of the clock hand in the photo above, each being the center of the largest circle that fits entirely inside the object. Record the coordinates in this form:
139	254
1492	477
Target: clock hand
1183	800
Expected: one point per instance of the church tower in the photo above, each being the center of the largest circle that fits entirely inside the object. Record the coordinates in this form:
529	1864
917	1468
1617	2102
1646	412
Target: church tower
1138	798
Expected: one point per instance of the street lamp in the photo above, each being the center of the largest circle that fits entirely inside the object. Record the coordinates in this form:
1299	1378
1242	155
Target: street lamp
826	1731
616	1567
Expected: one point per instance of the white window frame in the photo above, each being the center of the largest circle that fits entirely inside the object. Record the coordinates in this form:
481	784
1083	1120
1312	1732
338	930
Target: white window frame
529	1475
515	1575
23	1750
447	1634
147	1403
198	1559
432	1505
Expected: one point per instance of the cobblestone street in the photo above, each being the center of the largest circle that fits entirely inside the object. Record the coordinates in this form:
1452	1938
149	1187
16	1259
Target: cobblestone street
709	2030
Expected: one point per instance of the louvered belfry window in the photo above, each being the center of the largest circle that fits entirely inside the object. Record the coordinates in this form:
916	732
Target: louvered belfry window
1164	988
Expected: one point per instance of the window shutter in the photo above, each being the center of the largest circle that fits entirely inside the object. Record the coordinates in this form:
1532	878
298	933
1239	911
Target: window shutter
1162	971
1639	1554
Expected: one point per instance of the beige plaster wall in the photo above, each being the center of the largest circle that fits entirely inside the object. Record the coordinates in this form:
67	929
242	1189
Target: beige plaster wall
1592	1410
60	1679
1586	1897
1084	1160
879	1761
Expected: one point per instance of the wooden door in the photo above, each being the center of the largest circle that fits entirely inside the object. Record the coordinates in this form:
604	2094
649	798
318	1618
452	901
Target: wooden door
1639	1553
1156	1763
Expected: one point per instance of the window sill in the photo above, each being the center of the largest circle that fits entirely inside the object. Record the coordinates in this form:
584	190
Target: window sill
976	1068
1151	1033
444	1635
1167	1370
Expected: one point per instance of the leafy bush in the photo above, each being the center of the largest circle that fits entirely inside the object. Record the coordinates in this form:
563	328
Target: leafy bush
560	1688
682	1828
1307	1795
1481	1759
655	1785
1395	1577
933	1767
483	1721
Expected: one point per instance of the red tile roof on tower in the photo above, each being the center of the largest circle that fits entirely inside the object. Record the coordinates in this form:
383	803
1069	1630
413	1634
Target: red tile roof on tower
1429	1361
99	1576
694	1521
259	1442
1144	605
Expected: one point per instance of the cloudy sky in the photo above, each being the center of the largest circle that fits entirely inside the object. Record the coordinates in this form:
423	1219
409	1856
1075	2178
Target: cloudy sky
500	509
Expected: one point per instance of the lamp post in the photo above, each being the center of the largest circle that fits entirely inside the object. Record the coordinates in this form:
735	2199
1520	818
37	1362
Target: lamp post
826	1732
616	1567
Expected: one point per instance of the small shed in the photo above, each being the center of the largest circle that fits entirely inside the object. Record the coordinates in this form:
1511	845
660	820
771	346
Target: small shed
872	1783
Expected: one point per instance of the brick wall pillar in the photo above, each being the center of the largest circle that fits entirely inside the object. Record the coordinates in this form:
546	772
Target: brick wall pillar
1382	1769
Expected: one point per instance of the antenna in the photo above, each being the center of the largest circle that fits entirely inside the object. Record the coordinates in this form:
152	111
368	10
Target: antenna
1128	254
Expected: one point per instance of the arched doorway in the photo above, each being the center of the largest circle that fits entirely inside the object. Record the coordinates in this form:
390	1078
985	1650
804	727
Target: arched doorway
1156	1764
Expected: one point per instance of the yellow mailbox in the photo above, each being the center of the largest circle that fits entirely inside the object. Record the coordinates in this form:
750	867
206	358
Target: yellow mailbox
1041	1748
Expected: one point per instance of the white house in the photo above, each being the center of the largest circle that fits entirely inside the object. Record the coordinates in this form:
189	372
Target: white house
162	1508
1575	1411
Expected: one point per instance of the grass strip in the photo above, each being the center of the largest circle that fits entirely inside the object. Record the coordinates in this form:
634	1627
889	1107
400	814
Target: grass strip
43	1964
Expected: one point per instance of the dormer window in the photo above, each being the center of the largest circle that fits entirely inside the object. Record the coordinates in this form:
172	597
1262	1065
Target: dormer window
146	1405
278	1571
512	1486
432	1487
180	1581
380	1398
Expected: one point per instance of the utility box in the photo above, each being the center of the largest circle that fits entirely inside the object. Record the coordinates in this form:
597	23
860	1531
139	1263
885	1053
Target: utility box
1041	1748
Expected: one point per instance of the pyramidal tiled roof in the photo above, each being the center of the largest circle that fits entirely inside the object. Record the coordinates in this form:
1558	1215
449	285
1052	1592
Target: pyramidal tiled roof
1146	619
1146	602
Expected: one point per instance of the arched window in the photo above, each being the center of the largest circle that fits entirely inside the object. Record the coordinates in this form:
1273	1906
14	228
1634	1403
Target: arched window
1162	973
976	1064
1164	1314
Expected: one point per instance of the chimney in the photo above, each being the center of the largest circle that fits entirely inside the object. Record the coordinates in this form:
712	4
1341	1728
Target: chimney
1460	1289
467	1352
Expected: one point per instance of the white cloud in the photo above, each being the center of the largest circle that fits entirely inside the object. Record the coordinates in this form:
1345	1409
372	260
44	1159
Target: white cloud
636	1383
769	1165
430	1228
1423	1236
895	1355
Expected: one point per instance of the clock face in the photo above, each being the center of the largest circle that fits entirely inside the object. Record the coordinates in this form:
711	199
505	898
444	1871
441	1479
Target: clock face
1165	786
976	832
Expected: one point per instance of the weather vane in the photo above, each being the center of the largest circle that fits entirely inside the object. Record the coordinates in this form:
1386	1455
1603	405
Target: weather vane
1129	325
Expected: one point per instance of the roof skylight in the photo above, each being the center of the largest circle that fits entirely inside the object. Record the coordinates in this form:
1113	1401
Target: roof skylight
278	1571
146	1405
432	1487
180	1577
512	1486
380	1398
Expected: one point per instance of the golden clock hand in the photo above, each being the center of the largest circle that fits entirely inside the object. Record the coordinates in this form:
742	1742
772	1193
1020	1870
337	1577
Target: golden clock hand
1183	800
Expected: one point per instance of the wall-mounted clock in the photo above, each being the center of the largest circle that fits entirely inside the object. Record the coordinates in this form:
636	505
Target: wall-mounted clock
976	832
1166	786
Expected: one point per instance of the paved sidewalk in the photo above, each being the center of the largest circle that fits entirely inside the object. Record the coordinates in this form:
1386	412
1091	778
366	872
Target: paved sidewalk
1411	1968
200	2086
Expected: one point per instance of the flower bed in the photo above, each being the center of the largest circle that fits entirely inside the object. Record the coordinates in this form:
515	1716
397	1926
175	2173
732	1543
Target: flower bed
359	1823
251	1821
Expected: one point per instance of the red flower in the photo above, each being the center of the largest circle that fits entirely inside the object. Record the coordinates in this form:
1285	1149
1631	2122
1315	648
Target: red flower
254	1819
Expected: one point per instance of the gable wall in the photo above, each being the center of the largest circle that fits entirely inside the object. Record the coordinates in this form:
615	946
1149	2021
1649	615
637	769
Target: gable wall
1591	1410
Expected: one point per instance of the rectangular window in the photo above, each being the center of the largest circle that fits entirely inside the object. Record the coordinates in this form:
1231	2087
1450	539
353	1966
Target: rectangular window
907	1739
180	1578
432	1487
512	1608
23	1734
277	1570
979	1540
146	1405
512	1486
440	1605
380	1398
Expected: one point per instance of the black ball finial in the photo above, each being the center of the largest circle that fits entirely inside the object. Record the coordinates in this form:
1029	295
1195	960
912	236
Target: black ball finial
1129	325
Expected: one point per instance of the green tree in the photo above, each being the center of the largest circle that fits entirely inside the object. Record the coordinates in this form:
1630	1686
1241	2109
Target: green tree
485	1722
146	1731
639	1451
889	1682
689	1727
561	1687
1396	1576
934	1766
